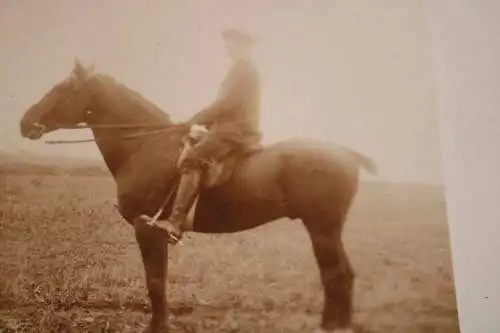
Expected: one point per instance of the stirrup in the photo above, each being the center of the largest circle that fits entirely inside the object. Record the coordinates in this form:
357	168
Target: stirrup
172	239
155	218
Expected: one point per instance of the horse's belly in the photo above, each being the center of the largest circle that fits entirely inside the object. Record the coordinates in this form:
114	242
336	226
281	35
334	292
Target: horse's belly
251	197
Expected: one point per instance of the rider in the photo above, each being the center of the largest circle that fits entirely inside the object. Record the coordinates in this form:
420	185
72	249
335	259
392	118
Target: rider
232	122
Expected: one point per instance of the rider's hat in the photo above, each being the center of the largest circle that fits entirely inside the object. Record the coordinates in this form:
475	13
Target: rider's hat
237	36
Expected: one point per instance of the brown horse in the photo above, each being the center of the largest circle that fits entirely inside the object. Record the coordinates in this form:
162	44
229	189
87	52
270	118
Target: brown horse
140	145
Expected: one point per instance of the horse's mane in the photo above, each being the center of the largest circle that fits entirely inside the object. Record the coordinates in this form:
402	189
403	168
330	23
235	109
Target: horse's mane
114	87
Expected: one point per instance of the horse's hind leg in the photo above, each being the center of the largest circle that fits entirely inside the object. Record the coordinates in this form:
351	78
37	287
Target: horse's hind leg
154	252
337	275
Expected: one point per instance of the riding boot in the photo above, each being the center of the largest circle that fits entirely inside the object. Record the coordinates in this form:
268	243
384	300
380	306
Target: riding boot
186	195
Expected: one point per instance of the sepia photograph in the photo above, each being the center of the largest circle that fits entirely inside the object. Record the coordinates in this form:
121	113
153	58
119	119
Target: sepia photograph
221	166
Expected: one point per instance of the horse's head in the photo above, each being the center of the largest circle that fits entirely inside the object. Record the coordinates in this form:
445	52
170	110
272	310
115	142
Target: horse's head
64	105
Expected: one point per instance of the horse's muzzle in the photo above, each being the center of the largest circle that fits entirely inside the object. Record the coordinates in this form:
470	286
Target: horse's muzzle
33	131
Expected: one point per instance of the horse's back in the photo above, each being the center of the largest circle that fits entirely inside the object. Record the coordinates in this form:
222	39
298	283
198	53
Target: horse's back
299	174
296	156
301	153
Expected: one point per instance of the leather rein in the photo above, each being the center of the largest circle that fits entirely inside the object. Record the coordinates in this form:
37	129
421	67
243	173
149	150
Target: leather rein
160	129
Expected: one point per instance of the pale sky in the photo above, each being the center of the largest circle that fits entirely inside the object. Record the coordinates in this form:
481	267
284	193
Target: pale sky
354	72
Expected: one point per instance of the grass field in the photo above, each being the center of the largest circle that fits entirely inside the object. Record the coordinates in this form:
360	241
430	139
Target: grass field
68	263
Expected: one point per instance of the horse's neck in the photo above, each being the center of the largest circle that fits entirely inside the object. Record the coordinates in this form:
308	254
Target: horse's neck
113	104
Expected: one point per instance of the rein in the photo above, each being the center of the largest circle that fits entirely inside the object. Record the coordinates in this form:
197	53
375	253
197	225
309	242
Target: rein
162	129
86	126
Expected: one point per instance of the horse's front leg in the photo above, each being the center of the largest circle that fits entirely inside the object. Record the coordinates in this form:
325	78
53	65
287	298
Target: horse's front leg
154	252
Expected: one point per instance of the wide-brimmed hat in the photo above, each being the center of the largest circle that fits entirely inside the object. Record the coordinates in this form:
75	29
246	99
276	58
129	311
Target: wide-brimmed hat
237	36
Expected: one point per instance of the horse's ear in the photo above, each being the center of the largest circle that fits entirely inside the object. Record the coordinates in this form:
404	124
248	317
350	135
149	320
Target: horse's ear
91	68
79	71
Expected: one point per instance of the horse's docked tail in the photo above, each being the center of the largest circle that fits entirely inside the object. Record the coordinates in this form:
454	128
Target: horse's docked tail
367	163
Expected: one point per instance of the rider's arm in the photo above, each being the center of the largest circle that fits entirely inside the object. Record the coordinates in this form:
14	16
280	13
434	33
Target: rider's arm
237	84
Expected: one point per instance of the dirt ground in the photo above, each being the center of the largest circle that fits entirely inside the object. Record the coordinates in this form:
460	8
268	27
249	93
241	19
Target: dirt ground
69	263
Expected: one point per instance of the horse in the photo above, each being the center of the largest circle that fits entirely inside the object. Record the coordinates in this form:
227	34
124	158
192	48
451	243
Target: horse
296	179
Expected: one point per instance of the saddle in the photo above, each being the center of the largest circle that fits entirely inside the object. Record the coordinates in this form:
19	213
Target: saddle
217	173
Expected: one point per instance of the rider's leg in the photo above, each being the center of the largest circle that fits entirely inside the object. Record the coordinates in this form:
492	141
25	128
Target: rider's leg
193	166
189	187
